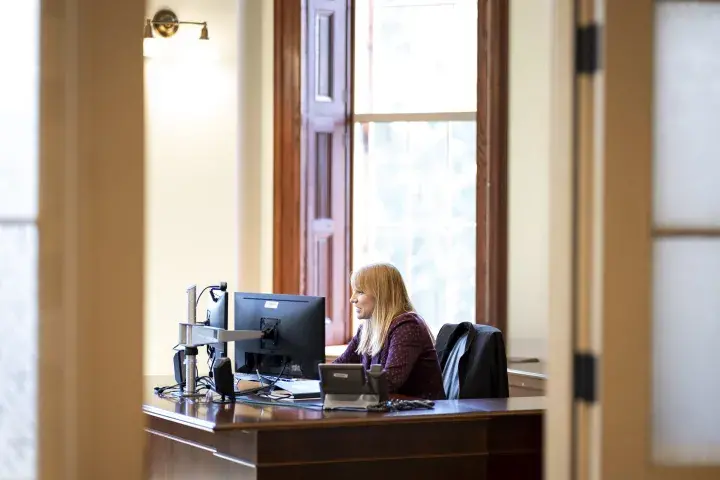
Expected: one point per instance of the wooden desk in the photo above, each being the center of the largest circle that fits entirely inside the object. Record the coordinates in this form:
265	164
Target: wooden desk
479	439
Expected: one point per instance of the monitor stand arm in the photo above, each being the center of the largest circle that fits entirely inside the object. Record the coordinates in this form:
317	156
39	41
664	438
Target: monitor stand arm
193	335
198	334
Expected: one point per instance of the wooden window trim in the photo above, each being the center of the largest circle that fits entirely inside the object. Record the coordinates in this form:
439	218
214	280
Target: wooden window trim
492	154
289	229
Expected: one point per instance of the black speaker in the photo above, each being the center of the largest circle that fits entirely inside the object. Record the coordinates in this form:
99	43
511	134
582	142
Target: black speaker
179	364
224	379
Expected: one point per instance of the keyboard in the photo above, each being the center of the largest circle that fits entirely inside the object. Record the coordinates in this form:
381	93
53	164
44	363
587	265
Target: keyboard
299	388
252	377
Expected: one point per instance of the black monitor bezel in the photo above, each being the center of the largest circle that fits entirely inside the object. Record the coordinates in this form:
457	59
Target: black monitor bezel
304	356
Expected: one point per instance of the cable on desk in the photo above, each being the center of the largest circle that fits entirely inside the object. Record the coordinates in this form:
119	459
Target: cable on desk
202	384
401	405
255	390
269	387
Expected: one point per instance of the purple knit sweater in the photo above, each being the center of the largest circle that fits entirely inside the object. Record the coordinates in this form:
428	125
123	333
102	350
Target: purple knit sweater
408	356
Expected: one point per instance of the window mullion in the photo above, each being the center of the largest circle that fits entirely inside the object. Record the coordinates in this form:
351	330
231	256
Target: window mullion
415	117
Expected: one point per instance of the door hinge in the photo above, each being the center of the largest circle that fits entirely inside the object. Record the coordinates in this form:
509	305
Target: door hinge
584	377
587	49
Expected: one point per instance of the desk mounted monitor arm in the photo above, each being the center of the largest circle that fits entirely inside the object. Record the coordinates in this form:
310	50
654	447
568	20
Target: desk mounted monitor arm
193	335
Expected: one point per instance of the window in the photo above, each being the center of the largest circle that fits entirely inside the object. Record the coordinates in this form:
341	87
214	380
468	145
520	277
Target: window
414	163
398	154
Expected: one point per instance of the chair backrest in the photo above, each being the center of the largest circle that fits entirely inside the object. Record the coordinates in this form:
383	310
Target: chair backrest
473	362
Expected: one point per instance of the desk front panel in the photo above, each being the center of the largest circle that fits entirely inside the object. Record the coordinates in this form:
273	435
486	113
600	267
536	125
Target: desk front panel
501	447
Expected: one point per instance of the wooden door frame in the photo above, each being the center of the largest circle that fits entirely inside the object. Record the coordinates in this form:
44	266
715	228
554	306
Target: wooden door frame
558	415
626	325
91	240
492	155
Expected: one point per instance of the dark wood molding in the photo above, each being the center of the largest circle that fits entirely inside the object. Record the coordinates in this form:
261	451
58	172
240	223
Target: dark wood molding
311	253
288	228
352	4
326	163
492	148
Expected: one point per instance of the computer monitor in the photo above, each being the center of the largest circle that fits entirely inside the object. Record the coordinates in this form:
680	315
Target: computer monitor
298	346
217	317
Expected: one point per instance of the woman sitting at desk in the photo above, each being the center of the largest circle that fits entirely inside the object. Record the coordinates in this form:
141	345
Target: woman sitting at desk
392	334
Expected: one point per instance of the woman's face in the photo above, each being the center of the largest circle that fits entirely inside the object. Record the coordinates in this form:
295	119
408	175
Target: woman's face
363	303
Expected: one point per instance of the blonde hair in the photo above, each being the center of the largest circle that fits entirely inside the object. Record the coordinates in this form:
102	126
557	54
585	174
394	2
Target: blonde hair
385	283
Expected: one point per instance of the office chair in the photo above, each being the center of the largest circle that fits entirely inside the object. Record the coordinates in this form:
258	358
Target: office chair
473	361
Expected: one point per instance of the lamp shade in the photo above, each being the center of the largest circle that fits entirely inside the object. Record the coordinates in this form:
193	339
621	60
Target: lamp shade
204	33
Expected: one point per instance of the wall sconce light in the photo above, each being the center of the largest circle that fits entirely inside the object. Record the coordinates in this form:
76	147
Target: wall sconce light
166	24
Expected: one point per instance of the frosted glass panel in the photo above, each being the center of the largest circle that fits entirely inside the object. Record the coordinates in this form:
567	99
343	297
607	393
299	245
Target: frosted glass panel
19	100
19	113
686	339
687	114
18	350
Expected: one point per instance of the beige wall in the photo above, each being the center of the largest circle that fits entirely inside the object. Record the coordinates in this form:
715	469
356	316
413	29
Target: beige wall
529	156
207	162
